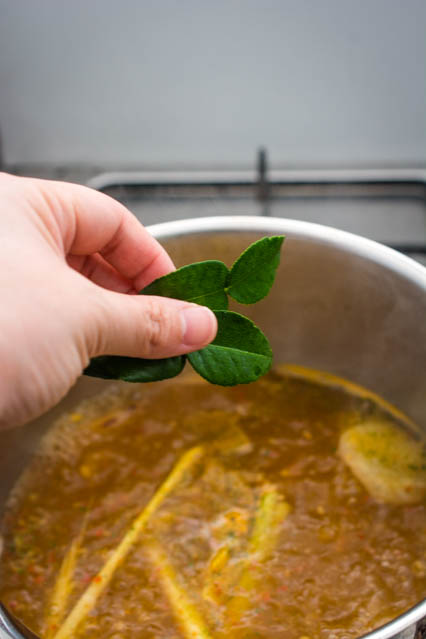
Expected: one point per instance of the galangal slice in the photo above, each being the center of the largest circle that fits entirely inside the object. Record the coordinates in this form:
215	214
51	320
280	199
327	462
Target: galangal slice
390	463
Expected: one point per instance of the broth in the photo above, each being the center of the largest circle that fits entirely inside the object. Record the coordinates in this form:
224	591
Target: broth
266	532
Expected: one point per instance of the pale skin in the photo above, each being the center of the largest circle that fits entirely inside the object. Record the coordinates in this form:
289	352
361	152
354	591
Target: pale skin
72	261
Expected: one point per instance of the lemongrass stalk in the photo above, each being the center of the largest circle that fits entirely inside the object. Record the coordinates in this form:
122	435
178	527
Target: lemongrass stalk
62	589
64	584
214	579
271	513
187	616
88	599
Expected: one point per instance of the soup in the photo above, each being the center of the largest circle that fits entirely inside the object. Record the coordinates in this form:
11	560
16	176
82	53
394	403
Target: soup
293	507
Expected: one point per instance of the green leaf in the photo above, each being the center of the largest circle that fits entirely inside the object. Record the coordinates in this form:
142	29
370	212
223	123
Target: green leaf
135	369
253	274
239	354
202	283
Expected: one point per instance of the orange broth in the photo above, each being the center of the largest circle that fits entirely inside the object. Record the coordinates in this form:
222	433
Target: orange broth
333	563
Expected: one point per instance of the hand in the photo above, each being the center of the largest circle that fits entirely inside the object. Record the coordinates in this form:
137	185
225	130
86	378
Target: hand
70	258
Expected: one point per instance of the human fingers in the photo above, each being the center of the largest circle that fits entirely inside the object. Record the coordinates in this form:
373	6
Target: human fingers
148	326
91	222
98	271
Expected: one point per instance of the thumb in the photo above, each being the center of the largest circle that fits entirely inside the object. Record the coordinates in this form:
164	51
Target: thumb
148	326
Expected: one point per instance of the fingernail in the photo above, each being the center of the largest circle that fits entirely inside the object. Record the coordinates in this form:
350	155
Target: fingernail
199	325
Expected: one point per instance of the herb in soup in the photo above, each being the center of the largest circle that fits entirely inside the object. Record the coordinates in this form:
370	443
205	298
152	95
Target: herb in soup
291	508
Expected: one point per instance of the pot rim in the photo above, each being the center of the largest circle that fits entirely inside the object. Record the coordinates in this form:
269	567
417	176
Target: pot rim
350	242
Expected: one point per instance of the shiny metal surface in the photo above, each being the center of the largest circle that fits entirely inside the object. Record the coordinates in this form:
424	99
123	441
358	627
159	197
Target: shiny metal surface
250	176
386	205
341	303
12	628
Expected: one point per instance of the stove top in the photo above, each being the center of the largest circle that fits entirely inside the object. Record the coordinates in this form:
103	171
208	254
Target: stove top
387	205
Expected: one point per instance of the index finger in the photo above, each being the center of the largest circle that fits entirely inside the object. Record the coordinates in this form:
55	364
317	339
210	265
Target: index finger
92	222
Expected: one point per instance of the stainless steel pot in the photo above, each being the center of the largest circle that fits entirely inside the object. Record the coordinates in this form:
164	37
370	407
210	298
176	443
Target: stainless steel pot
341	303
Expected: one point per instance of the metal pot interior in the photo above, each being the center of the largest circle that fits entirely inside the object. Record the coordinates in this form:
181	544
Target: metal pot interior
340	304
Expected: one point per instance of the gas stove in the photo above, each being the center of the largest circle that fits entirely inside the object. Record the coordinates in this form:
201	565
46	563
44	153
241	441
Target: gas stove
386	205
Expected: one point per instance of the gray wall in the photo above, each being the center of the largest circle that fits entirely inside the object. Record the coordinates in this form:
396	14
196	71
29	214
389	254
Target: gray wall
204	82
